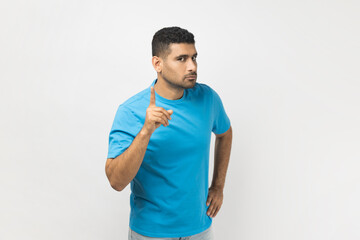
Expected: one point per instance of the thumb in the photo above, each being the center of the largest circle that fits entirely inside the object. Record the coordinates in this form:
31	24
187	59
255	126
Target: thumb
170	111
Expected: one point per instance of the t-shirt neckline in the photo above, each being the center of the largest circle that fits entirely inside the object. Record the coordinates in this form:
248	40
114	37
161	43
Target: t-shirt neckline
165	100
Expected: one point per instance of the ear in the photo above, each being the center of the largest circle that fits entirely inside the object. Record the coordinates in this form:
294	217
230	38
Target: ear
157	63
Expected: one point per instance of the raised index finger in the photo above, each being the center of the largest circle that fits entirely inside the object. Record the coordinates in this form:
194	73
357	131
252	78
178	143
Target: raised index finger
152	97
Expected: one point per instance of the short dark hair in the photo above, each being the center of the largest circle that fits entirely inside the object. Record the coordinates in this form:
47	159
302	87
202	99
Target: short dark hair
165	36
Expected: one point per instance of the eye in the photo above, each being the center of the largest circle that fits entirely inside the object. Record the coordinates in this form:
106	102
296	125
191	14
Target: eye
181	59
194	58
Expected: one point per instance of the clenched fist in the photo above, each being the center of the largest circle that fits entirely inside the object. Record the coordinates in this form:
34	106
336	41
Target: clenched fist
155	116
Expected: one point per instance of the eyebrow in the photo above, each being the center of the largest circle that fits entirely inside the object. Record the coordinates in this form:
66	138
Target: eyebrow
184	55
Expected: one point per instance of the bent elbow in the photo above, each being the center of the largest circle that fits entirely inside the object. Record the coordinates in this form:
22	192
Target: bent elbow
117	187
117	181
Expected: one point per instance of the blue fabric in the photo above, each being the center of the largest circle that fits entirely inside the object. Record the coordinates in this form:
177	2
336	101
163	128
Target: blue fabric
205	235
169	193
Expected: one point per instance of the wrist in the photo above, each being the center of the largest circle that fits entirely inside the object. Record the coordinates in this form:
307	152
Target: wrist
219	187
145	132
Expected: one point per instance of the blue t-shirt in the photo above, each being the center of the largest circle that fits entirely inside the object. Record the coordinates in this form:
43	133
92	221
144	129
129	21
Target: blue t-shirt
169	192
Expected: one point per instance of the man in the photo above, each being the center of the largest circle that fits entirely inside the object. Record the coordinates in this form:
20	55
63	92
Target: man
160	140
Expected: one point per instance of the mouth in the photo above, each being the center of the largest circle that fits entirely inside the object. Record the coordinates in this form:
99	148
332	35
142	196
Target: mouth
193	77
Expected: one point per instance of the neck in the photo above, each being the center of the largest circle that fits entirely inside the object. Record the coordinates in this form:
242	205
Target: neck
167	90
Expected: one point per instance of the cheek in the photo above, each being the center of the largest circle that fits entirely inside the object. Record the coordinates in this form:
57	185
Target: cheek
173	70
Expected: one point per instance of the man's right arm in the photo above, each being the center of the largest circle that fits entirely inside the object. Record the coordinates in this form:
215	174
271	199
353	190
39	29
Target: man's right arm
122	169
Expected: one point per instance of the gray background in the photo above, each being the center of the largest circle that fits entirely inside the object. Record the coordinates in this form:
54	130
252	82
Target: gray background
288	75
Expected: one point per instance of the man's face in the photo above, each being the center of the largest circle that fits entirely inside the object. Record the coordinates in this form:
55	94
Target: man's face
179	66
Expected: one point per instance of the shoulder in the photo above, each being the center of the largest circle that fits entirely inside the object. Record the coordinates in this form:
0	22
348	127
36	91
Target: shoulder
138	98
202	89
134	106
137	101
206	91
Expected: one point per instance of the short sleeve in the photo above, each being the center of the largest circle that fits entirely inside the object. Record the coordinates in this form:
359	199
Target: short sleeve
221	122
123	131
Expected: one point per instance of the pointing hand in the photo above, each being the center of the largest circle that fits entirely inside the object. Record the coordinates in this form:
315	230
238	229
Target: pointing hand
155	116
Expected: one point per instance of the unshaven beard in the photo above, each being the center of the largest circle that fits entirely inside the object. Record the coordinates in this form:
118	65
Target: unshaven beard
177	86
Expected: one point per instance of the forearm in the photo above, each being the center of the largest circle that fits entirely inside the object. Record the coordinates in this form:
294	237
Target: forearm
221	160
122	169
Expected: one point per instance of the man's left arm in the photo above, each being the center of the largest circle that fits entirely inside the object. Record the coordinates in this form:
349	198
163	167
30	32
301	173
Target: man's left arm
221	162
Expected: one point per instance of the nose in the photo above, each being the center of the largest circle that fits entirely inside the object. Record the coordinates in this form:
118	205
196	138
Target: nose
191	66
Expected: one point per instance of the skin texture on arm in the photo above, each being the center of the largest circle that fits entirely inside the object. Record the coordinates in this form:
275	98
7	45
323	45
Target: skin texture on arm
221	161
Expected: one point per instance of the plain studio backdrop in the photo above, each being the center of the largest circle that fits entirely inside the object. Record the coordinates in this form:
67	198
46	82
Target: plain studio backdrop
288	76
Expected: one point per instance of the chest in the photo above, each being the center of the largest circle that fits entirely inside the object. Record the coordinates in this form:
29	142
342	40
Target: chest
189	130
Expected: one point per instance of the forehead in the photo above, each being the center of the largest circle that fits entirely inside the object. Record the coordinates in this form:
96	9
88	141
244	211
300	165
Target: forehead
177	49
